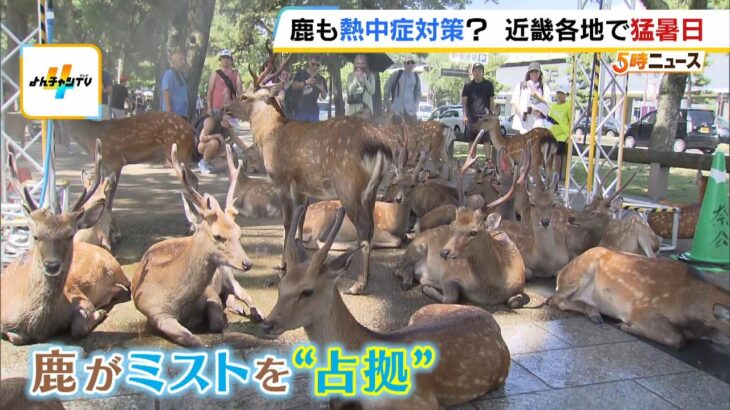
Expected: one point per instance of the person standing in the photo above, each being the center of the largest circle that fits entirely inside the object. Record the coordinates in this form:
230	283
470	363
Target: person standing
403	91
360	87
560	111
477	100
224	84
308	86
119	98
532	90
107	84
175	86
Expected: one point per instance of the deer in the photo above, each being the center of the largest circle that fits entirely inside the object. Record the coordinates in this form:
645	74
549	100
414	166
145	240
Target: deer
544	145
252	161
255	197
391	218
339	158
58	286
140	139
103	233
628	234
173	284
660	299
469	258
469	341
661	222
13	396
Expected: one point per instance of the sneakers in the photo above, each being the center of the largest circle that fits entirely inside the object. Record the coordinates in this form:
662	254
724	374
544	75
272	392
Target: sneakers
204	167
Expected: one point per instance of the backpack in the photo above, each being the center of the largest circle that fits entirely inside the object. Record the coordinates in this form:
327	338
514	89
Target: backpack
396	86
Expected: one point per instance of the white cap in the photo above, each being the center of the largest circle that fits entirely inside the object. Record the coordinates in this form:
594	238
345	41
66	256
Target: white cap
563	88
542	107
225	53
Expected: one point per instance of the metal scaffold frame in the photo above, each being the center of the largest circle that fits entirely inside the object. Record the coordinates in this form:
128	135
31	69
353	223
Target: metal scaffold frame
15	236
608	99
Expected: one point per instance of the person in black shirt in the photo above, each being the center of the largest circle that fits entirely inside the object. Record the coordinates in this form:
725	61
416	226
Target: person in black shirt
477	100
308	86
119	97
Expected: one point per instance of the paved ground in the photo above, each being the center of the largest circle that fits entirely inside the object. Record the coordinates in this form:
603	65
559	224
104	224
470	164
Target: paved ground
559	360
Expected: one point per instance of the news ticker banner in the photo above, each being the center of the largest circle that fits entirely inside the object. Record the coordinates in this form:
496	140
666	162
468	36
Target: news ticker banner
60	81
322	29
379	370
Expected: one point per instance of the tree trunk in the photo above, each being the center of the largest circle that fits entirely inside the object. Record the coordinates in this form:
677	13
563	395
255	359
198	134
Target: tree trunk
671	92
336	91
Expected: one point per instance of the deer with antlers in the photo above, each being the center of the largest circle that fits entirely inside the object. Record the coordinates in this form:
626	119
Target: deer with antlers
469	258
468	338
255	197
340	158
140	139
543	143
58	285
659	299
103	233
173	285
661	222
628	234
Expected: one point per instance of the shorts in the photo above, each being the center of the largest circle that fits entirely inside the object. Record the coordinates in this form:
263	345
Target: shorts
562	148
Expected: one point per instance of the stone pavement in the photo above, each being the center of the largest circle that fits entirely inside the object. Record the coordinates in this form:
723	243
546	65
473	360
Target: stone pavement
559	360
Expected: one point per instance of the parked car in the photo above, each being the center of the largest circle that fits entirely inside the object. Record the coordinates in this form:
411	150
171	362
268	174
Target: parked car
695	130
723	130
424	111
610	127
452	116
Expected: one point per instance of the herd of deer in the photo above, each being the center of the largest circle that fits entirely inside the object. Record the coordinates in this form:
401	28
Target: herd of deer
478	243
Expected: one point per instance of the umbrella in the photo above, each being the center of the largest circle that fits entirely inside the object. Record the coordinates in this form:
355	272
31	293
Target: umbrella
377	62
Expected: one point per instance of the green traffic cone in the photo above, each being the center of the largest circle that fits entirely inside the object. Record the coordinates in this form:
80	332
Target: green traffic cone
711	242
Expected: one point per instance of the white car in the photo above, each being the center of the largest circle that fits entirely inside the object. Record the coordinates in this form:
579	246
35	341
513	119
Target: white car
452	116
424	111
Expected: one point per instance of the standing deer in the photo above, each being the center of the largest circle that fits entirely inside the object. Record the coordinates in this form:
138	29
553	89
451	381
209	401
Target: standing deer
431	136
468	338
140	139
173	285
544	145
342	157
58	284
255	197
660	299
661	222
469	259
103	233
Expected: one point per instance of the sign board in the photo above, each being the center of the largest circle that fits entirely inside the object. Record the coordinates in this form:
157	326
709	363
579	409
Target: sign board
454	72
469	58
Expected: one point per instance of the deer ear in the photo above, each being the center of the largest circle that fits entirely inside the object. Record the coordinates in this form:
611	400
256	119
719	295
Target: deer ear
340	264
423	176
86	218
615	204
721	312
192	213
493	221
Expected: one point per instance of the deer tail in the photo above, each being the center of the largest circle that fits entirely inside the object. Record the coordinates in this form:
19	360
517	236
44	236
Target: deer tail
375	177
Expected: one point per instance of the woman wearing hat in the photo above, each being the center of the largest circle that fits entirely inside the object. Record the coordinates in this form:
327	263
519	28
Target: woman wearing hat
525	95
360	87
224	84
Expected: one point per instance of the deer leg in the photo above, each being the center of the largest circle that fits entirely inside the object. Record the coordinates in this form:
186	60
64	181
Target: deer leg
517	301
17	339
287	210
241	294
178	333
384	239
85	318
217	320
365	236
581	307
657	328
449	294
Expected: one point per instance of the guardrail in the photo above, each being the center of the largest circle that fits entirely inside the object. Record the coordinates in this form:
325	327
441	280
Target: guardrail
683	160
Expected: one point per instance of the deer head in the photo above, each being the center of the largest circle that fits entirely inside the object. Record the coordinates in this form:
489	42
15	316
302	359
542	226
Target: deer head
601	205
260	93
489	123
405	181
306	292
216	227
52	244
543	202
470	226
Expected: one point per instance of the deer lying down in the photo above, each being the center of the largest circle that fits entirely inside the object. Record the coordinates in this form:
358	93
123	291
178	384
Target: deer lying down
473	357
12	397
58	284
469	259
661	222
172	285
254	197
660	299
391	218
101	234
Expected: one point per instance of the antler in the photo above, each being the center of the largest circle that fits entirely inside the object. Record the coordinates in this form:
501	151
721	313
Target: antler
321	254
625	184
182	173
518	178
22	191
266	74
470	159
87	194
233	173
